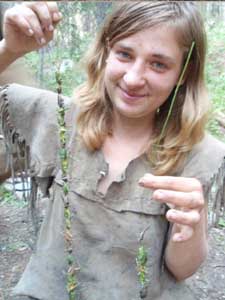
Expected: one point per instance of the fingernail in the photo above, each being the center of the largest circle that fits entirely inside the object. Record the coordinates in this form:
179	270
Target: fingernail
142	181
50	28
159	195
172	213
57	16
30	32
177	238
41	41
146	179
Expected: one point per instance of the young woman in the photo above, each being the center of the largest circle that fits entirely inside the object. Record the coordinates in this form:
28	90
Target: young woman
136	180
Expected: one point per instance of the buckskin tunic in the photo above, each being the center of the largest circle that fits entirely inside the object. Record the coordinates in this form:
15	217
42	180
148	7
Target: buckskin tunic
106	228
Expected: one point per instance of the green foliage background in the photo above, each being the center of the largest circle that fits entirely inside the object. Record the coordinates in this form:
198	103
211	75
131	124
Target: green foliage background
215	73
79	27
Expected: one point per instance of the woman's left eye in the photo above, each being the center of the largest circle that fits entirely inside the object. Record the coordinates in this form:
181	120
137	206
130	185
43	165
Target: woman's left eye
158	65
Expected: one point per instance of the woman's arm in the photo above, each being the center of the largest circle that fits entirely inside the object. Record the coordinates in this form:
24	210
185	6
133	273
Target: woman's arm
27	27
187	246
6	57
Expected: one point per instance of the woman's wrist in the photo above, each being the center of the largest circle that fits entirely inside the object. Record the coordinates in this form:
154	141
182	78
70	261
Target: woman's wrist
7	56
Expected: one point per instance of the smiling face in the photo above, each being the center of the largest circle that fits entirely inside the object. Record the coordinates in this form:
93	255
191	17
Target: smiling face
142	70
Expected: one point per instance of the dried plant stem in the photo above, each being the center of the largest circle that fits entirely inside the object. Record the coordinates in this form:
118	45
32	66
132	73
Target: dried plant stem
176	90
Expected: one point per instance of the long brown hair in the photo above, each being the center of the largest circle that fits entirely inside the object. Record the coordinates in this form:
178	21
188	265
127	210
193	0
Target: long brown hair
186	125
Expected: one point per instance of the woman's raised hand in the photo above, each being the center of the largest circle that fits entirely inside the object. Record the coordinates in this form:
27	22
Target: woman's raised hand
185	198
29	26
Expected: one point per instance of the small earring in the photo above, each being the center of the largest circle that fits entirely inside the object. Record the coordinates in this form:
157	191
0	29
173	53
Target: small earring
158	110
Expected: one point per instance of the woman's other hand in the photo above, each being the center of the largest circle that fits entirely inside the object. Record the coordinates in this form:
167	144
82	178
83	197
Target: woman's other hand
29	26
187	246
185	198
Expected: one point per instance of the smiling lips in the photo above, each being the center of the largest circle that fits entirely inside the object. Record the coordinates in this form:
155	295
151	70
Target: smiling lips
130	95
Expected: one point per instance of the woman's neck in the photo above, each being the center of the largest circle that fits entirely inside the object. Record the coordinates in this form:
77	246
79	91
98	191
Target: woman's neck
132	129
129	140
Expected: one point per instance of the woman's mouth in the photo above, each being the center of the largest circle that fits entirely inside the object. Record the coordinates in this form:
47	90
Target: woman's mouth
131	95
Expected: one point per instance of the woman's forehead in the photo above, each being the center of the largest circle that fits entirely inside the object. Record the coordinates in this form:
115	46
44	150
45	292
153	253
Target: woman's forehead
161	42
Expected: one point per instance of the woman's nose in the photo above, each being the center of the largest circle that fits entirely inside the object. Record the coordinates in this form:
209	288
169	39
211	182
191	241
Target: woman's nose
134	76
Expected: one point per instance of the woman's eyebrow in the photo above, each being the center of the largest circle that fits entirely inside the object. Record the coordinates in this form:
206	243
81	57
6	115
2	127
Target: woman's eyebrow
124	47
163	57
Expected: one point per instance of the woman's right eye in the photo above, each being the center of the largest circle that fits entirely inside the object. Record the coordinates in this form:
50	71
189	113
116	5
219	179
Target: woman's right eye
123	55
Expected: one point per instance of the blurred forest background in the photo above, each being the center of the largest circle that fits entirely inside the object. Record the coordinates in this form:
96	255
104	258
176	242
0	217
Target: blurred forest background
80	25
73	37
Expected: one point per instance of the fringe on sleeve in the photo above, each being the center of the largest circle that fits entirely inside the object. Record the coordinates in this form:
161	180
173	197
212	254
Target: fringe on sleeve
18	158
17	153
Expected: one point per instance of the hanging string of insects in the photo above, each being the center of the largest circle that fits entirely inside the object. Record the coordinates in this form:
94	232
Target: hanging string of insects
71	281
71	270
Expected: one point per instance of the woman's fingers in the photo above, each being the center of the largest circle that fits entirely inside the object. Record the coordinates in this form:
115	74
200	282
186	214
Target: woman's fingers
180	199
182	184
14	18
190	218
47	12
47	16
36	19
186	232
35	26
55	13
184	222
25	20
43	15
